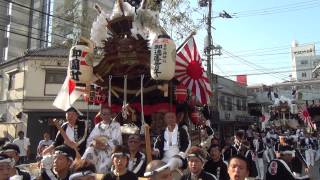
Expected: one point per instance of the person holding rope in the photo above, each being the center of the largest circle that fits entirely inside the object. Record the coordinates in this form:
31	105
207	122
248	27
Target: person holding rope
76	133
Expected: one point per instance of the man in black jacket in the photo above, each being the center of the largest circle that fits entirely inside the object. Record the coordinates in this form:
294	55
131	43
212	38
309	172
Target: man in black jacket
279	169
172	143
137	161
195	163
76	130
216	165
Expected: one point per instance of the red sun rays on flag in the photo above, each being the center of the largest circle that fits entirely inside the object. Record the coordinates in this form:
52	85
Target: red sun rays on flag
305	116
189	71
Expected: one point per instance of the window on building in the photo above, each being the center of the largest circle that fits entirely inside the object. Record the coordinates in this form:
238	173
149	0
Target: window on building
12	77
238	105
222	102
229	104
304	62
244	104
303	74
55	76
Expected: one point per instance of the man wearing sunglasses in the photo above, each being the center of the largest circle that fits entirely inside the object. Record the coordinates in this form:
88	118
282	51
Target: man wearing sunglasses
137	160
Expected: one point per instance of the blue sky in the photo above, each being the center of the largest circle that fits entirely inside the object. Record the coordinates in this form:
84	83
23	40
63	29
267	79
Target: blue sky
259	43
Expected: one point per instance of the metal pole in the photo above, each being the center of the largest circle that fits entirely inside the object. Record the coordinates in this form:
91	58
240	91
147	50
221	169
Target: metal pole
213	79
209	42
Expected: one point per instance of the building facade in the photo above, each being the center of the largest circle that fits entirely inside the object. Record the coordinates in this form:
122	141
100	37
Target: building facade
32	24
29	85
232	107
304	61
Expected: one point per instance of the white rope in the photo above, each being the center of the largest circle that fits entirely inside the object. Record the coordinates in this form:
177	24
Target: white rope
141	100
109	91
124	106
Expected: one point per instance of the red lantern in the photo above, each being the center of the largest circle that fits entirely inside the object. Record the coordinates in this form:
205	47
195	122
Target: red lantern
181	93
195	117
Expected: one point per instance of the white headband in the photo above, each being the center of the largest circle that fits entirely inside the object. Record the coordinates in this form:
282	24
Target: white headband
288	152
195	155
8	160
9	150
57	152
119	154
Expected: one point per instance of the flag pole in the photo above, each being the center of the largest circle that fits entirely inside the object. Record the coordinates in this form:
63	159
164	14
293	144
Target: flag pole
191	34
69	93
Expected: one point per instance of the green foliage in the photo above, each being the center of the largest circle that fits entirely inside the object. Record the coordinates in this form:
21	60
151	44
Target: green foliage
177	18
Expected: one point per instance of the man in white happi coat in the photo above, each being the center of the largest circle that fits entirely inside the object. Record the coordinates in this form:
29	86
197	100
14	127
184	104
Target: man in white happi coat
172	143
98	155
107	128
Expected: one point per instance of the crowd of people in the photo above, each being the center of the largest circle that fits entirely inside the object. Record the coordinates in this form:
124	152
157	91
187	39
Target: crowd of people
104	153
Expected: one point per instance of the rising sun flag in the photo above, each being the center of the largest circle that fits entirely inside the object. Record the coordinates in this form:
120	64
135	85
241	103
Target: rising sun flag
190	72
305	116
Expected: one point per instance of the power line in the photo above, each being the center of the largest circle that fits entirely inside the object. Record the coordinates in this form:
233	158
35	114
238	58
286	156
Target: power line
17	33
271	72
28	26
47	14
281	6
278	9
261	55
274	48
254	66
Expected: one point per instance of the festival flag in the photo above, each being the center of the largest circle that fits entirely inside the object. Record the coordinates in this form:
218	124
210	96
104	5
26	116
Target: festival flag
190	72
305	116
67	95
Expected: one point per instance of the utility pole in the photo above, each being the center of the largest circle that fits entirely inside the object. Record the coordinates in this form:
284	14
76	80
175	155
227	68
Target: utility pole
212	50
208	49
212	78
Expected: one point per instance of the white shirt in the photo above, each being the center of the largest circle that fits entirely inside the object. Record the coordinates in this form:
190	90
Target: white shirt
99	158
171	138
23	145
70	133
112	131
